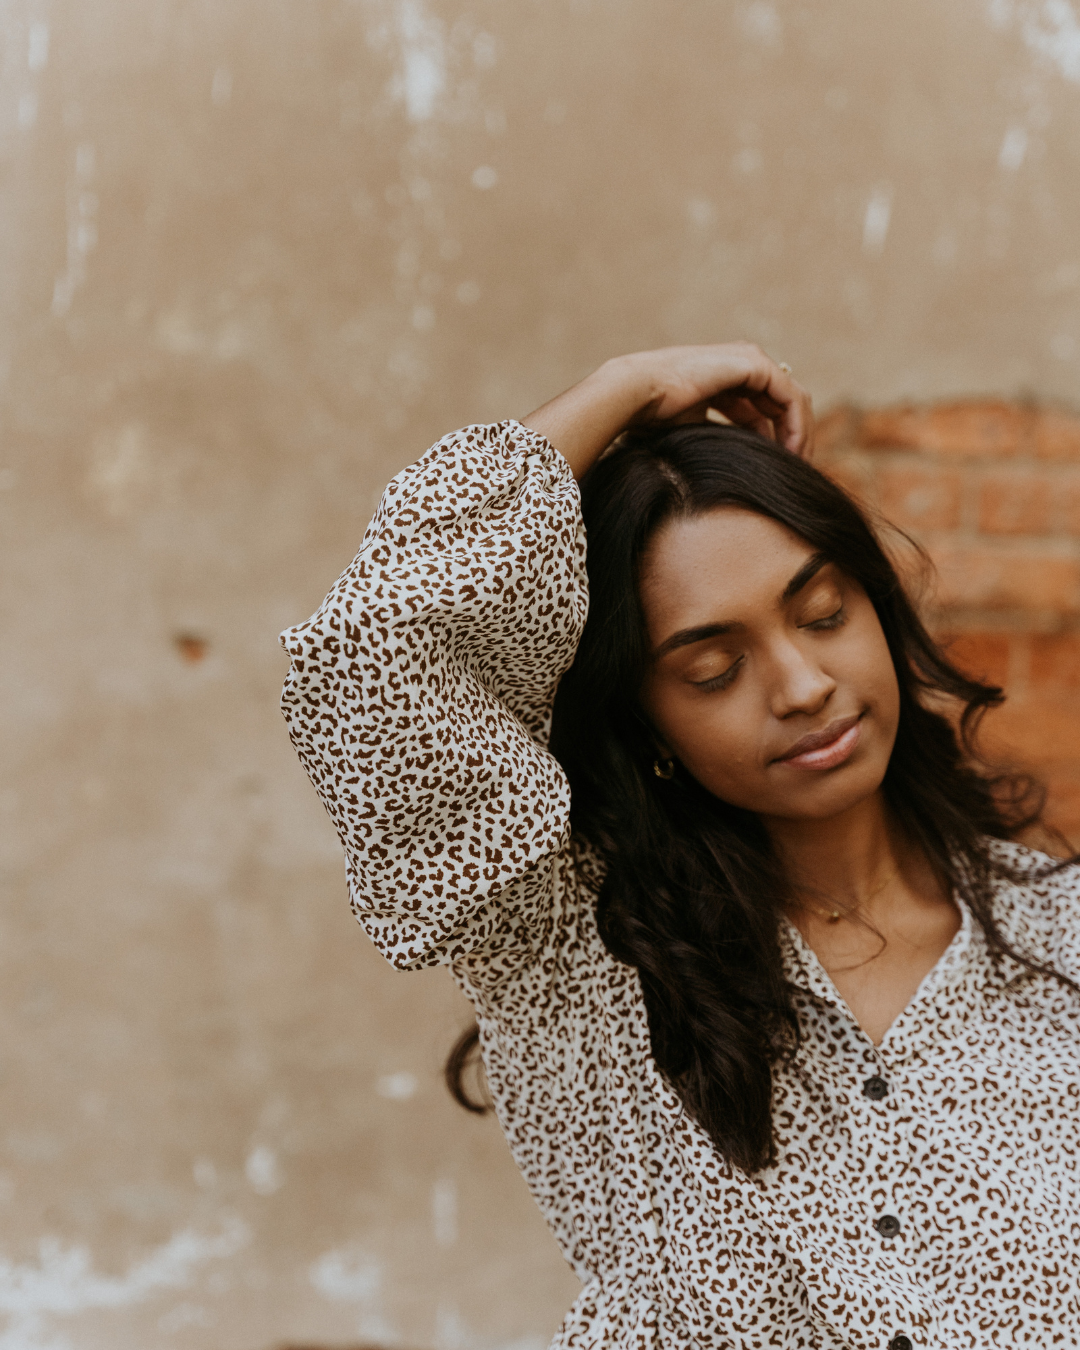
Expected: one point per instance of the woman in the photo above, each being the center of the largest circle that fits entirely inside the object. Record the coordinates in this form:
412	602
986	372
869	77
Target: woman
783	1033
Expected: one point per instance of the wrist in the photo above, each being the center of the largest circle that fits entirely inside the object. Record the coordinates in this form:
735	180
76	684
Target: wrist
630	382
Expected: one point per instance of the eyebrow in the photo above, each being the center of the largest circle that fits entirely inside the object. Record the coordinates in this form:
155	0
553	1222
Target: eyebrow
685	637
806	573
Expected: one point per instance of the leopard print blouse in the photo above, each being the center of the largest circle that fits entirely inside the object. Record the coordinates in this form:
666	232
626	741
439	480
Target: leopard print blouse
926	1192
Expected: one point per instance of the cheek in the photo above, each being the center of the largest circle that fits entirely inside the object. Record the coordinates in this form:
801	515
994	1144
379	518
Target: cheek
717	740
872	677
720	741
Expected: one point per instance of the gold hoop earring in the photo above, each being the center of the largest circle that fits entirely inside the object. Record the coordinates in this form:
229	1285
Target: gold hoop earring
664	768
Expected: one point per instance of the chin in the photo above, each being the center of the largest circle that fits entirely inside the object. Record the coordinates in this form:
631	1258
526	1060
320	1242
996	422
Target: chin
836	799
843	790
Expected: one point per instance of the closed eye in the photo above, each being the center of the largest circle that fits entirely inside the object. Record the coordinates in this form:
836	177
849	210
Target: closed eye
834	620
720	681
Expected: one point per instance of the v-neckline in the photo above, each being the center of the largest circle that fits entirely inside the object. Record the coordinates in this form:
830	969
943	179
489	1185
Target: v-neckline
804	969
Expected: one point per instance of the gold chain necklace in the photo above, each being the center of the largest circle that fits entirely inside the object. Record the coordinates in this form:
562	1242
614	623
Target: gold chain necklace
835	915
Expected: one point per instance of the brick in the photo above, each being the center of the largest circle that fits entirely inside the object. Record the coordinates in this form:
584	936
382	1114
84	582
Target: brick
1063	808
984	427
1067	492
1055	666
920	498
1033	732
1057	435
983	656
914	567
1038	497
1009	744
853	473
984	577
1020	501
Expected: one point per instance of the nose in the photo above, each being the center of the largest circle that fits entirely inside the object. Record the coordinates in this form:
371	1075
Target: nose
799	684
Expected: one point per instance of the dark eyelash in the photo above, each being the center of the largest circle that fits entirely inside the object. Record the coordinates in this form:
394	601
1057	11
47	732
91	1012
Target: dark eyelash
720	681
830	621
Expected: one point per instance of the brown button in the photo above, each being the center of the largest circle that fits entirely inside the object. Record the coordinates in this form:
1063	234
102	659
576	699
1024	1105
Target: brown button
888	1225
875	1088
900	1343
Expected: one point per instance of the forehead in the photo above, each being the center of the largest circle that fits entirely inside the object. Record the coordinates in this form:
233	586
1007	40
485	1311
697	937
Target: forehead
717	566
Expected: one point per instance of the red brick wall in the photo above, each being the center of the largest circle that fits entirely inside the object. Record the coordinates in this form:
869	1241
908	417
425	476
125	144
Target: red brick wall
992	490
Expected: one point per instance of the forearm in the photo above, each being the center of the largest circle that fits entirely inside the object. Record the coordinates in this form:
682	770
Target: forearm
582	422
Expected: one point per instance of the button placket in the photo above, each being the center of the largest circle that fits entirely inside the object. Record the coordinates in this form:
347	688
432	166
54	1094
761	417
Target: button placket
887	1119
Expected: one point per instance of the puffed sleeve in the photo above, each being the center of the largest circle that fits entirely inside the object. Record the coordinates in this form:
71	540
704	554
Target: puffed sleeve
420	693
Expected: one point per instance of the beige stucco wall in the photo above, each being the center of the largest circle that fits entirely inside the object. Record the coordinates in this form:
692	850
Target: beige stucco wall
254	256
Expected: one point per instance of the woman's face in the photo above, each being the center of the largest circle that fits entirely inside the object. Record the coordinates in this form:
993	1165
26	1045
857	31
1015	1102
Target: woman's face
770	680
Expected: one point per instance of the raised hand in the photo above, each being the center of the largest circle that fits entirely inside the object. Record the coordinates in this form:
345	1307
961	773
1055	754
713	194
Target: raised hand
672	385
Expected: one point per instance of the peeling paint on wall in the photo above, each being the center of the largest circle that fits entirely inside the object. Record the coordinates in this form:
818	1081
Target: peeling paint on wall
263	1171
423	73
1013	149
1049	27
38	46
876	220
64	1282
397	1087
82	230
444	1212
351	1275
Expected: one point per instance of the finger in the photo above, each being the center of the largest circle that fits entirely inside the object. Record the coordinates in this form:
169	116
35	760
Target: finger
795	421
766	405
744	412
796	425
780	418
698	413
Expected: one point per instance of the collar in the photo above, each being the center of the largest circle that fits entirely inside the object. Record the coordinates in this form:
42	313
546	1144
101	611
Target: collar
965	960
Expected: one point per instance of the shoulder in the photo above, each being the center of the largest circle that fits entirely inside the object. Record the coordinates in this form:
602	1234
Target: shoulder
487	464
1037	903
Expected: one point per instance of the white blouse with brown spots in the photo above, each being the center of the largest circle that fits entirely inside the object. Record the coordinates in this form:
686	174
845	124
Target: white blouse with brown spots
926	1192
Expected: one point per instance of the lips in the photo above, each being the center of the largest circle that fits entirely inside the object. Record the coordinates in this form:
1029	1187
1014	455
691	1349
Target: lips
827	748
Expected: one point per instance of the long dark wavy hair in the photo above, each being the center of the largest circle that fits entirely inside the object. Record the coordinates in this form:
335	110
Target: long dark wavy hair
693	891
